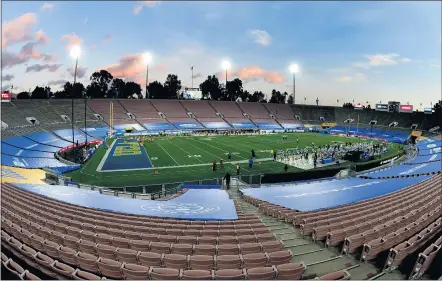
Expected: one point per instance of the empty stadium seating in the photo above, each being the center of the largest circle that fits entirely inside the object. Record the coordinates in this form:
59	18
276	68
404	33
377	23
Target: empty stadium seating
71	243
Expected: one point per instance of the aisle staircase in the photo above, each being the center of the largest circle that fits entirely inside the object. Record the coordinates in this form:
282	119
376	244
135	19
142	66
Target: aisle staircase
318	259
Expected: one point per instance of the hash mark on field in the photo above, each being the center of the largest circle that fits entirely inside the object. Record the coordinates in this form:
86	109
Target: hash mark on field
216	148
188	153
167	153
201	149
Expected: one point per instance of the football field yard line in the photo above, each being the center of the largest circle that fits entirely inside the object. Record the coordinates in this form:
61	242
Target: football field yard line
167	153
218	148
233	147
217	156
103	160
184	150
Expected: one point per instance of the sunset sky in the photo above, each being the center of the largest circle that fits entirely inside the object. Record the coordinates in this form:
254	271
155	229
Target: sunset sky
366	51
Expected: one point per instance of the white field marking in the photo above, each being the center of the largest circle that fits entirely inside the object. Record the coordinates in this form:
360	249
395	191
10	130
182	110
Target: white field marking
154	158
194	156
191	165
103	160
228	151
185	151
145	151
166	153
217	156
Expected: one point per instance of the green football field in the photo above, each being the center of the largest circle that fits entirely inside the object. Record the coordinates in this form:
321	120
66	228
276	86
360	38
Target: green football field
179	159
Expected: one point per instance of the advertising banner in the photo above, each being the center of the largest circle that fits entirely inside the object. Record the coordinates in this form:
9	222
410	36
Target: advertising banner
359	106
187	125
381	107
428	110
6	97
216	125
406	108
162	126
292	126
243	125
268	126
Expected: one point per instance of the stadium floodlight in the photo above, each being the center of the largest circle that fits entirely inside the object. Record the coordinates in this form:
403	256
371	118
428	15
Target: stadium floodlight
226	64
147	58
75	52
294	68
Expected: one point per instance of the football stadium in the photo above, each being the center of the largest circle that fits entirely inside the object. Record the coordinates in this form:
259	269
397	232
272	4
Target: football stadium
210	182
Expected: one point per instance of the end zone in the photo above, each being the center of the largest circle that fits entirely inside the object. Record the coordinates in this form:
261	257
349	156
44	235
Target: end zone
125	155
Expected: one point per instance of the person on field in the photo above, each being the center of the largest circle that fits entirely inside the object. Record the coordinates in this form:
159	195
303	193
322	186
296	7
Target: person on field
250	163
274	155
238	169
286	168
214	166
221	164
229	156
253	154
227	178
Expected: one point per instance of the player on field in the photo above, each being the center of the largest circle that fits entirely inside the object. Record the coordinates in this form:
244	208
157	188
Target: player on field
238	169
221	164
229	156
214	166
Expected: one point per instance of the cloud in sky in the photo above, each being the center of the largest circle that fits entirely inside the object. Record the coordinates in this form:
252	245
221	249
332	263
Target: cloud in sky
348	78
57	82
71	39
106	38
128	66
41	67
81	71
47	6
18	30
382	60
141	4
27	52
7	77
260	37
343	79
251	73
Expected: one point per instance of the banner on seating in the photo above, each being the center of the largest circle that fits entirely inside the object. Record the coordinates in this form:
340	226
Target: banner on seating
161	126
268	126
217	125
243	125
188	125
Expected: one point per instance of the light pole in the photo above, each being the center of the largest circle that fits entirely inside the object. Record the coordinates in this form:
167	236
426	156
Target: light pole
226	65
191	69
147	57
75	54
294	68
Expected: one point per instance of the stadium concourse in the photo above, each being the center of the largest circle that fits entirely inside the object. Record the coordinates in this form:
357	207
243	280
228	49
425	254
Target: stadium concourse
383	224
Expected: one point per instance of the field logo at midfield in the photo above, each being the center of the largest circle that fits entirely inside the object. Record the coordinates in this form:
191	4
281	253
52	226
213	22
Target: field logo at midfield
181	209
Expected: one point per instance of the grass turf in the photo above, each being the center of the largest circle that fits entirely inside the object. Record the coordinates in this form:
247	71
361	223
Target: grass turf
185	159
